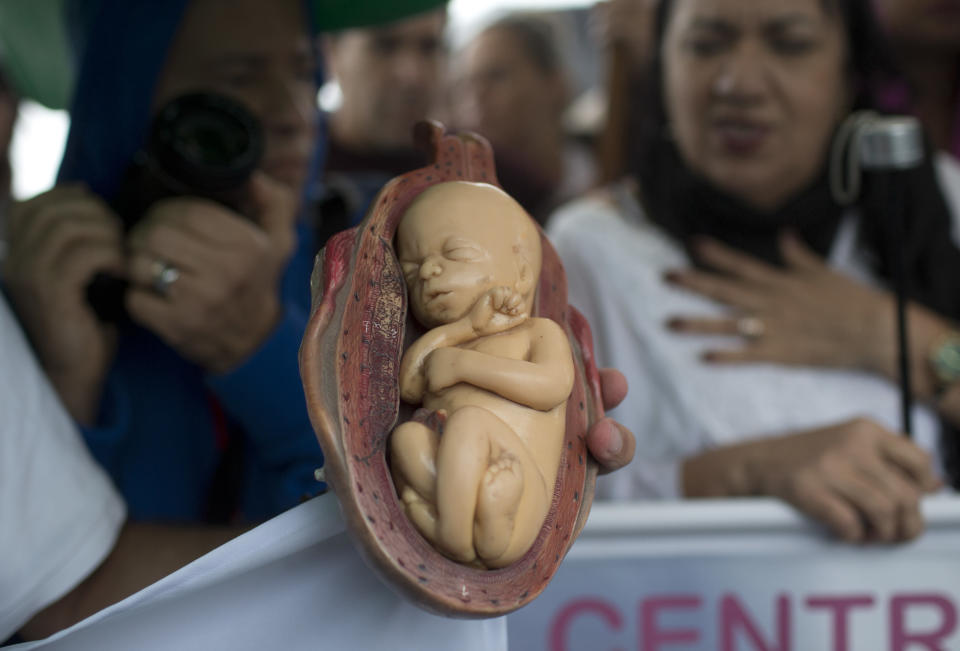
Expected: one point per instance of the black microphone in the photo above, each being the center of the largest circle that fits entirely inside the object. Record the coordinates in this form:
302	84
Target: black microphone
890	146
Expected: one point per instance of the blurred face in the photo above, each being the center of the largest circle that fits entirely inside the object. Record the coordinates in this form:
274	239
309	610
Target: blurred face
930	23
454	244
260	54
502	94
389	77
753	92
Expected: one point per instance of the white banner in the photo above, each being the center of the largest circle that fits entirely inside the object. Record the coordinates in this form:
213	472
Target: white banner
746	575
294	583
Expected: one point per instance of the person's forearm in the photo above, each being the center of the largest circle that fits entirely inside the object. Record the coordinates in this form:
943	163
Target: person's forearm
143	554
721	472
80	395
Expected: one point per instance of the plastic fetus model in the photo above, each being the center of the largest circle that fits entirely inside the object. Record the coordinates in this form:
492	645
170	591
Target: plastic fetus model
371	346
499	378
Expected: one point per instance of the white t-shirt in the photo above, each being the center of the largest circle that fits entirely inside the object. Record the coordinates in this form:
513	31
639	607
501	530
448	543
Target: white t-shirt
59	513
677	405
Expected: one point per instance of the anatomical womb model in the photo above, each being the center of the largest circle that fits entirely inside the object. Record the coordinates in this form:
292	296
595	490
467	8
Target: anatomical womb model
451	387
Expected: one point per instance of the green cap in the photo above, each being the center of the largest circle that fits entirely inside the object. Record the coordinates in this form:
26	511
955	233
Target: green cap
334	15
35	53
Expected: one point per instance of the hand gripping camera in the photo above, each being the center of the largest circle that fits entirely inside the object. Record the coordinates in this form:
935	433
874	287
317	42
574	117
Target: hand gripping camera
199	144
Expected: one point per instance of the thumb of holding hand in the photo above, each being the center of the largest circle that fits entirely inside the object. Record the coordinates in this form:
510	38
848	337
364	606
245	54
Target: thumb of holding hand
276	208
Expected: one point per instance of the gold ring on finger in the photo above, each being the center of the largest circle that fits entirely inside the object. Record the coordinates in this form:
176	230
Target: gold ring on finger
751	327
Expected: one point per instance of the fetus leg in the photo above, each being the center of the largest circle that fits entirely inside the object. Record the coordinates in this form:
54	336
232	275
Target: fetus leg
413	455
483	471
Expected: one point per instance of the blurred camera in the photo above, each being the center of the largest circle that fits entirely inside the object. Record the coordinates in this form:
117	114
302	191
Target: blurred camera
199	144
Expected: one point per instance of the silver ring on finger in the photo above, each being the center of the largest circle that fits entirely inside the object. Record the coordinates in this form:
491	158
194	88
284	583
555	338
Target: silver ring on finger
163	275
751	327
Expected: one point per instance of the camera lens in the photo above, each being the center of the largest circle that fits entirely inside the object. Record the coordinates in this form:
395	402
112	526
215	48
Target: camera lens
207	142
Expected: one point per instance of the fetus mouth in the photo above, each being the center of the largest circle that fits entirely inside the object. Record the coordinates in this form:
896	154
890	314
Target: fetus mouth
434	294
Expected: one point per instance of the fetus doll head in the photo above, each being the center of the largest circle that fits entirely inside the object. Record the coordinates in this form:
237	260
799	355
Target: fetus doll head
457	241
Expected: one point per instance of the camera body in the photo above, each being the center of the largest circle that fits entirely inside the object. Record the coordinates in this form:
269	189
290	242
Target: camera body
201	145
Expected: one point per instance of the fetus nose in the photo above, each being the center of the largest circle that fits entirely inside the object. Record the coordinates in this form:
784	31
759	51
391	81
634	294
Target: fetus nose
430	268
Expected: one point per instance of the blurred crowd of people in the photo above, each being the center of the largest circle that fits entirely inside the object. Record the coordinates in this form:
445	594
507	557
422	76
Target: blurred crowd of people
707	225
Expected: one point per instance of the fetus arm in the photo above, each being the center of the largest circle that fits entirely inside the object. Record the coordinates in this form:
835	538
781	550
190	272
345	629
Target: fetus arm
412	380
542	381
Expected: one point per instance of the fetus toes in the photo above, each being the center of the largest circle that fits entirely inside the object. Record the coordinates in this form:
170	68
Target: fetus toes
422	513
499	497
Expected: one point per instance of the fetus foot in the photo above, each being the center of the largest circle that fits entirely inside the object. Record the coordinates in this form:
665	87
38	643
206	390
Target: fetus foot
500	492
423	514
